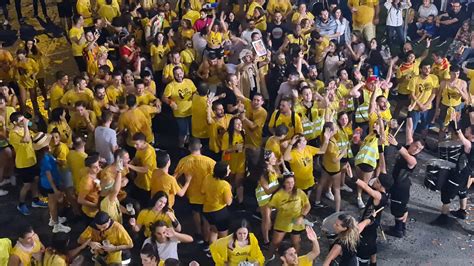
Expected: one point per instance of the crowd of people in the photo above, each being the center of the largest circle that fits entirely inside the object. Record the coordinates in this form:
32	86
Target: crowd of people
234	106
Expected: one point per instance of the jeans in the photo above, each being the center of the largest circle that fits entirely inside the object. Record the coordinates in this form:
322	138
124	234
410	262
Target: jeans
395	34
43	7
420	117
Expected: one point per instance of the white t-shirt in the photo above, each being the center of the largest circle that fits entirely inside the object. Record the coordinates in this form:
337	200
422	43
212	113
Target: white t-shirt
424	12
166	250
105	141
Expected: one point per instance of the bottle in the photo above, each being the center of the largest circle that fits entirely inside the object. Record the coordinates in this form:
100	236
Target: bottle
356	135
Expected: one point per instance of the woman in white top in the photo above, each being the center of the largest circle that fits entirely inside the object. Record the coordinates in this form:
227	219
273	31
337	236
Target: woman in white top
343	28
426	10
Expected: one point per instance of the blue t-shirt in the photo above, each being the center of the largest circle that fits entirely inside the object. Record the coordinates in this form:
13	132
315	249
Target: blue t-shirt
48	163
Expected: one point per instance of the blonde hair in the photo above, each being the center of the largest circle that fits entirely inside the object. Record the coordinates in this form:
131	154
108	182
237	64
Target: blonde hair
349	237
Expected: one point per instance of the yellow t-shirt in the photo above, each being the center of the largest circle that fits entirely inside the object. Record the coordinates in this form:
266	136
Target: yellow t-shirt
441	70
52	259
146	157
161	181
181	94
55	96
295	19
158	55
60	152
273	144
115	234
405	73
216	132
79	124
84	9
450	96
5	248
197	166
192	15
316	85
236	159
25	154
168	71
108	12
71	97
275	5
24	73
215	199
112	208
199	126
319	47
137	120
75	32
296	128
76	163
147	217
301	164
332	152
146	98
253	138
90	191
115	94
365	11
288	209
304	261
26	256
423	88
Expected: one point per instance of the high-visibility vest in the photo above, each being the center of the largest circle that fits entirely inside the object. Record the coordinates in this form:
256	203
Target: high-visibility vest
312	125
368	153
262	197
343	142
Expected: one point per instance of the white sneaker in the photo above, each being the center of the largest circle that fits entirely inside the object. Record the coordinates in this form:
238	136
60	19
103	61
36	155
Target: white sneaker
329	195
61	220
4	182
360	203
61	228
346	188
3	192
13	180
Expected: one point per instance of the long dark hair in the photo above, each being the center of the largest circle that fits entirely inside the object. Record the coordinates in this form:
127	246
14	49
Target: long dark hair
156	197
236	226
34	49
59	243
56	114
231	130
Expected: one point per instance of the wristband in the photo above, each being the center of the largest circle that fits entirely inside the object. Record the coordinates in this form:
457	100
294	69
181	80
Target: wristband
381	148
453	126
372	219
399	146
175	223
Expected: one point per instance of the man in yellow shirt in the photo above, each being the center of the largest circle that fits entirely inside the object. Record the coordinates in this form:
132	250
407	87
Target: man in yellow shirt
178	95
107	239
144	163
78	41
423	90
289	256
144	97
136	119
89	186
84	9
161	180
253	117
75	160
115	91
25	162
83	122
365	16
58	89
285	115
198	167
168	71
470	74
79	93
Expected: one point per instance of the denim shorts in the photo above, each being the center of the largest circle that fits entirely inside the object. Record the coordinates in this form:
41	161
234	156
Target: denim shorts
184	125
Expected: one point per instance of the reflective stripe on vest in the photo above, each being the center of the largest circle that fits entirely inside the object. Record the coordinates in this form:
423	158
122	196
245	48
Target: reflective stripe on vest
362	113
260	192
368	154
345	144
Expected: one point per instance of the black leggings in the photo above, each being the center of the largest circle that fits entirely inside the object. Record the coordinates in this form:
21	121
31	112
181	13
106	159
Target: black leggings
43	7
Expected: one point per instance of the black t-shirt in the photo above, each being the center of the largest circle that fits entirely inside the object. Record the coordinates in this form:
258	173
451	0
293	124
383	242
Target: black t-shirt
348	256
277	34
292	68
230	98
461	16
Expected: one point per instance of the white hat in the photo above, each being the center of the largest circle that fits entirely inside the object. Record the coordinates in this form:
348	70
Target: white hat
41	140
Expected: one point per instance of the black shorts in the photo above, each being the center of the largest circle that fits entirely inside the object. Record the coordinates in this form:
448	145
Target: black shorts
330	173
366	168
399	199
294	232
368	242
196	207
45	191
220	219
28	174
456	186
